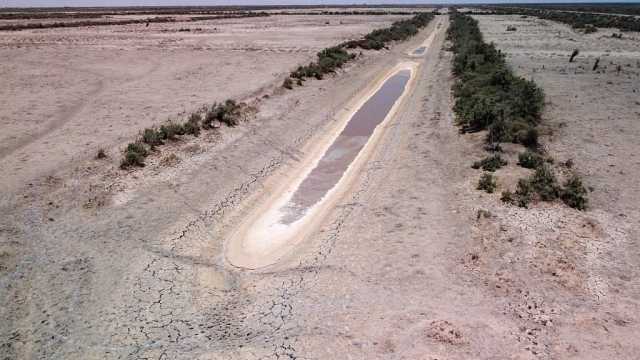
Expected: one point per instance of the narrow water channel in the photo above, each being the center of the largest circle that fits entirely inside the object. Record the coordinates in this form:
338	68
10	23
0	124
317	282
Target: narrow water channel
284	217
344	149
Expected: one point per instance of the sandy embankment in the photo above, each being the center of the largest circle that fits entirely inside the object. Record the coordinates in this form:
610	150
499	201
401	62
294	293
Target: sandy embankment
254	244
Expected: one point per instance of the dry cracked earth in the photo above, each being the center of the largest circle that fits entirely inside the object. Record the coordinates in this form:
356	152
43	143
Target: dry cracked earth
413	263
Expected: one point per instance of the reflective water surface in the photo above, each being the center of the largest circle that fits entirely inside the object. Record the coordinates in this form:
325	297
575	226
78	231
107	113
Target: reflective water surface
345	148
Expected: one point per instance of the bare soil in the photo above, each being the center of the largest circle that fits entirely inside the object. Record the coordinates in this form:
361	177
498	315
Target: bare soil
410	263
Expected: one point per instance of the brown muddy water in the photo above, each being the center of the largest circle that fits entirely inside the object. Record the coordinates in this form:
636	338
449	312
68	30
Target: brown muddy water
345	148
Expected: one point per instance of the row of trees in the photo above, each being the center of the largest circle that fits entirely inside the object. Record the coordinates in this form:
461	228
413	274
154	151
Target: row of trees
335	57
157	19
490	97
589	22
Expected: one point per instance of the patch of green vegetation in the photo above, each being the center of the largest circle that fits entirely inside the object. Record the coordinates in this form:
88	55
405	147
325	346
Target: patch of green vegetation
487	183
192	126
490	163
574	193
543	185
328	61
335	57
134	155
152	137
171	131
530	159
228	113
488	95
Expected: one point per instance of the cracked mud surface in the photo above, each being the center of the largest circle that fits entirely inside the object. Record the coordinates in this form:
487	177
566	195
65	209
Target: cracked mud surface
404	267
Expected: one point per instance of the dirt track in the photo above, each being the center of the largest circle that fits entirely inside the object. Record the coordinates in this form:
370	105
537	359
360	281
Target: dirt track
99	266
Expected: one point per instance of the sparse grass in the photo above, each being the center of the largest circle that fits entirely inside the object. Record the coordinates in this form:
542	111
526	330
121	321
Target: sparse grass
170	160
490	163
487	183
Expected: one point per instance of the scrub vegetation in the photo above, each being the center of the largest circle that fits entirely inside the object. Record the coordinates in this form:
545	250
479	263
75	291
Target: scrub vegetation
107	22
398	31
490	97
228	112
584	21
333	58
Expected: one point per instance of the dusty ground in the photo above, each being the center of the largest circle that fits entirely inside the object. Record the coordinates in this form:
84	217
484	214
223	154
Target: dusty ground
100	264
67	92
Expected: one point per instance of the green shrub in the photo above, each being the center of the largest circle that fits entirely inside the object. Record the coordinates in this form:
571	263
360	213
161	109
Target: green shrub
488	95
195	119
170	130
152	137
574	193
487	183
490	163
544	183
335	57
229	113
508	197
192	126
530	159
524	193
134	155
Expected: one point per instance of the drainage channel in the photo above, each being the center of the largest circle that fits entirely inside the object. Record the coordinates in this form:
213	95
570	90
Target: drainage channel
263	239
344	149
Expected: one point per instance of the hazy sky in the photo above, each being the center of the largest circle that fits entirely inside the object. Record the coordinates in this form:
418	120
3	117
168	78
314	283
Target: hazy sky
26	3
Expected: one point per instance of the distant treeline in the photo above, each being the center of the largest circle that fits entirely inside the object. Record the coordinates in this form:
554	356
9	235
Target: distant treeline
588	22
354	12
157	19
610	8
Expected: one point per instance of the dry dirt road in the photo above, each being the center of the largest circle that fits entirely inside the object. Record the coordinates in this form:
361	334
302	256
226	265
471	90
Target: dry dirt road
131	265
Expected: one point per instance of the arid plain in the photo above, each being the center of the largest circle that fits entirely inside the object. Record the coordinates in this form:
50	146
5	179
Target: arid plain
409	262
